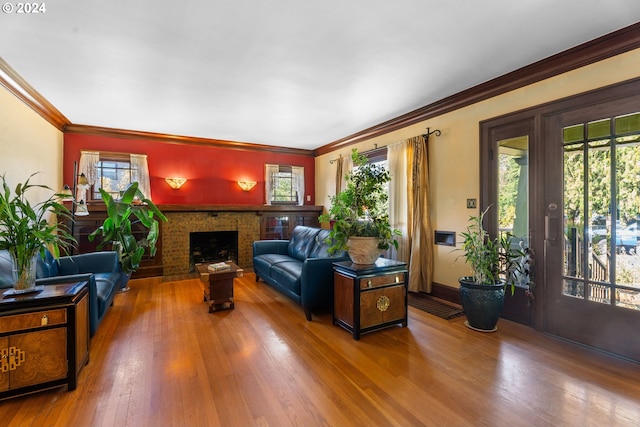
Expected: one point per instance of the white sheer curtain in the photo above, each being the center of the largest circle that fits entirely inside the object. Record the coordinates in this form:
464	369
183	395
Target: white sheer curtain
398	164
140	173
270	172
298	181
87	166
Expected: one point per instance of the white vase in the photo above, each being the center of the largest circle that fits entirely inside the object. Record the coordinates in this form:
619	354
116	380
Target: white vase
24	279
363	250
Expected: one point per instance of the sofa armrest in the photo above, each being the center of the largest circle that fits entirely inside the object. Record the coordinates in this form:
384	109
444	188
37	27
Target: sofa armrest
316	283
93	262
270	247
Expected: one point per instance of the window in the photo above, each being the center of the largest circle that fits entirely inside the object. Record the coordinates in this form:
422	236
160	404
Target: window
284	185
113	176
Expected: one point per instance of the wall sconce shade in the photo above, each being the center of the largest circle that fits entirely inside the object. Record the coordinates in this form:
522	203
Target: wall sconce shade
175	182
246	185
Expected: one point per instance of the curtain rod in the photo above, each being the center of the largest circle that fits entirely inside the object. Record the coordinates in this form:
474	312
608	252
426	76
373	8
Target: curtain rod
430	132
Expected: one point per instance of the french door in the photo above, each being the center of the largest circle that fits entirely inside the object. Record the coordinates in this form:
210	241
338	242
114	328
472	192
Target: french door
591	207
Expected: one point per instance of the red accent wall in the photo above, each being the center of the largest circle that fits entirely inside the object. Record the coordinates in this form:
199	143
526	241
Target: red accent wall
212	172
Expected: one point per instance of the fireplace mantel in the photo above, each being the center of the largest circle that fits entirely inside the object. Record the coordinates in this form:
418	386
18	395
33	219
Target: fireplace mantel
258	209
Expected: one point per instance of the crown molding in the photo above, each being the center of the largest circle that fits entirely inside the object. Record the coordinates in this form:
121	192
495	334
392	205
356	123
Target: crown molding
27	94
607	46
177	139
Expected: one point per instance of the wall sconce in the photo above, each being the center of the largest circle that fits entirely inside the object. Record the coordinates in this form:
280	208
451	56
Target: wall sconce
175	182
246	185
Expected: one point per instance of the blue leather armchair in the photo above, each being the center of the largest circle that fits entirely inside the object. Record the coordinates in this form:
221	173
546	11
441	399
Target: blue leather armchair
300	268
100	269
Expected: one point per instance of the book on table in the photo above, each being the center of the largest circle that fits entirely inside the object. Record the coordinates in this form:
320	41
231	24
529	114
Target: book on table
219	266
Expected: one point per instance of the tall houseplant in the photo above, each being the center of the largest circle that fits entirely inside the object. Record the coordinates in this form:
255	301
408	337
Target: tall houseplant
361	211
493	263
25	231
117	229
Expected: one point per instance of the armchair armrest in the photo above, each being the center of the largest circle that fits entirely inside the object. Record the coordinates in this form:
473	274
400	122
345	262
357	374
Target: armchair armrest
270	247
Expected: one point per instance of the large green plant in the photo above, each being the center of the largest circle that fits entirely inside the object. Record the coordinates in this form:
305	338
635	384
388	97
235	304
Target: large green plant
116	229
361	209
491	260
25	230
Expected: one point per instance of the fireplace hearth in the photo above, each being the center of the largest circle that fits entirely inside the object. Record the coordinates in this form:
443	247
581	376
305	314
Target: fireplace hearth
212	246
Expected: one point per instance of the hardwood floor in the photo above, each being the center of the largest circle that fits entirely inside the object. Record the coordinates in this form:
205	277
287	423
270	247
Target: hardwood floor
160	359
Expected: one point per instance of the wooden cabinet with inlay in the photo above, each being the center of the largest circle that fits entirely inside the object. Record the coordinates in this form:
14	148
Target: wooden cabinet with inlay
369	297
44	338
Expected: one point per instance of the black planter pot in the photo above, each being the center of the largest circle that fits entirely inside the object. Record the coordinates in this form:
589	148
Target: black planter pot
482	304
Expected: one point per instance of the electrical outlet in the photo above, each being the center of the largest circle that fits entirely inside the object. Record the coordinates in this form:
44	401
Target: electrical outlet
471	203
308	197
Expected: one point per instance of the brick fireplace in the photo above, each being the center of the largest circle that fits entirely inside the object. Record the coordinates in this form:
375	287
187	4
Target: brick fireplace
176	232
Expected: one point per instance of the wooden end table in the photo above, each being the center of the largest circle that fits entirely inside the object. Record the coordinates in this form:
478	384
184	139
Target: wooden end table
218	286
369	297
44	338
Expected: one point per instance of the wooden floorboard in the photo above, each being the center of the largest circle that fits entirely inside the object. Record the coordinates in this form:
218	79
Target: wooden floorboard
160	359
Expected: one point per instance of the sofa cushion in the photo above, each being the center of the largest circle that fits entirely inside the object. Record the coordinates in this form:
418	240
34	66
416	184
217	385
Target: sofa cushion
320	249
301	242
288	275
264	262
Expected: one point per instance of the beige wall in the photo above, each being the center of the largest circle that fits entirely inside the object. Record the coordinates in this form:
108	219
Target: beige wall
28	144
454	156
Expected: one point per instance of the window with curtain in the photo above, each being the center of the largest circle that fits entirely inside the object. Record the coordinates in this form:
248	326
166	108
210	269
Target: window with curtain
284	185
113	172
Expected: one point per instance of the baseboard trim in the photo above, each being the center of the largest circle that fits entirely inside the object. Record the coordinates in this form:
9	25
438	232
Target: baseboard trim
446	293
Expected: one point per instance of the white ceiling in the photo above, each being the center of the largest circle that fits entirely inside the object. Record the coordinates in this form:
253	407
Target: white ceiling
293	73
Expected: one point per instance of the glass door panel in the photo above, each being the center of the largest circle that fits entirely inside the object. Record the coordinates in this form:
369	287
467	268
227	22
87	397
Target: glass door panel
601	262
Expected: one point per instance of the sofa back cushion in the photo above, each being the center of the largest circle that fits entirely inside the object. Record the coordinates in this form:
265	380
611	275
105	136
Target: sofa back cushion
47	266
302	241
320	248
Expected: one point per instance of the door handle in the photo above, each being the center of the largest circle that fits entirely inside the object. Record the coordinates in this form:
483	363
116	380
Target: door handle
551	228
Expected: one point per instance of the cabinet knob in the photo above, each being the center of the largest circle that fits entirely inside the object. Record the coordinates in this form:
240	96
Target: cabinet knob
44	321
368	283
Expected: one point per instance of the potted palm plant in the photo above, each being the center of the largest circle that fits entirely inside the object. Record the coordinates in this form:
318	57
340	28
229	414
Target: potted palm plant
493	264
359	214
27	230
117	231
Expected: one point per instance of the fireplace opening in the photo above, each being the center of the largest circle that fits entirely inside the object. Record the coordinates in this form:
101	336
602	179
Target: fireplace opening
212	246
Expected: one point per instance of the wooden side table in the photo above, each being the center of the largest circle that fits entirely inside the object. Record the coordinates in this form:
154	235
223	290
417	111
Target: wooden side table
369	297
218	286
44	338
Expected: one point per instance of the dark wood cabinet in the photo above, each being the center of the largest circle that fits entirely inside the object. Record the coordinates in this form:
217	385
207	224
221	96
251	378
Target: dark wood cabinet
369	297
44	338
278	225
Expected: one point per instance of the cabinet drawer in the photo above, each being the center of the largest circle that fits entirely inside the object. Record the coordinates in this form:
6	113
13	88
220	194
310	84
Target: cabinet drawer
19	322
380	306
384	280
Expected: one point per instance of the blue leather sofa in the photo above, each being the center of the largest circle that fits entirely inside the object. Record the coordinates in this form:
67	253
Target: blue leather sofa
100	269
300	268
